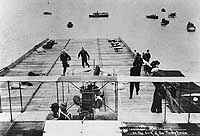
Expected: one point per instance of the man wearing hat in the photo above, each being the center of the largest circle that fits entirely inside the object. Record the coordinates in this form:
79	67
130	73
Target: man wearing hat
54	112
64	57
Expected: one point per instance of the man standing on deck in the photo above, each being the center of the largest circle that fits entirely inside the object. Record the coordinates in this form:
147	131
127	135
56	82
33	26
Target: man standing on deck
54	112
84	55
134	54
148	55
139	61
157	96
134	71
64	57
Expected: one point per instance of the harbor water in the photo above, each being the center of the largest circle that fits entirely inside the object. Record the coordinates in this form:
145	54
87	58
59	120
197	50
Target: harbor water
24	25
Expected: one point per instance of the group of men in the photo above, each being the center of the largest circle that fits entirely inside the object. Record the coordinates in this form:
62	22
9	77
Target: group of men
65	57
151	69
136	69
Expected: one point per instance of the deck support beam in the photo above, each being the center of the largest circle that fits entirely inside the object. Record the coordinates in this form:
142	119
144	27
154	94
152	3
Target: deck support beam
165	112
57	93
11	117
20	95
63	92
190	103
116	97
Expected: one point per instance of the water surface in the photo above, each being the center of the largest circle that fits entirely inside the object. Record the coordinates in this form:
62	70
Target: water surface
23	25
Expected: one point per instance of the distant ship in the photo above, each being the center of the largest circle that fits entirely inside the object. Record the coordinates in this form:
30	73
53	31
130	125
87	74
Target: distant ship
99	14
47	13
164	22
153	16
172	15
191	27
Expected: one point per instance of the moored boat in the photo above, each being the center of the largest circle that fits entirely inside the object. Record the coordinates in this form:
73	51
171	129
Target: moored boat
99	14
152	16
163	10
191	27
47	13
164	22
172	15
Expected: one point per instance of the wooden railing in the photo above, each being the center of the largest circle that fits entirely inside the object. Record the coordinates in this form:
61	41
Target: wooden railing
172	103
4	70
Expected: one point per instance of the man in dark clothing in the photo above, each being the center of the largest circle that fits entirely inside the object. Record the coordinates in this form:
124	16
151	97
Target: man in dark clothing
157	96
134	71
84	55
139	61
147	56
64	57
54	112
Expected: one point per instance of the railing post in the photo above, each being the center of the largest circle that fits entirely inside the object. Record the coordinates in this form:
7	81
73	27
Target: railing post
93	63
20	93
179	99
104	96
165	111
68	87
57	93
11	118
0	103
116	97
63	93
189	102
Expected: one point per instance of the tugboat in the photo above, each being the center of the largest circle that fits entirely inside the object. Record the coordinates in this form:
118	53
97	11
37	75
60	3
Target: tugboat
164	22
47	13
191	27
172	15
153	16
98	14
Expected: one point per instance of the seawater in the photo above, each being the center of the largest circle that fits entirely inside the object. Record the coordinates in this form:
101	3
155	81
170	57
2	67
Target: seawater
23	25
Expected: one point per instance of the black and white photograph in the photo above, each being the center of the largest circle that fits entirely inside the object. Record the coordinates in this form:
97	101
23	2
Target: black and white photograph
99	67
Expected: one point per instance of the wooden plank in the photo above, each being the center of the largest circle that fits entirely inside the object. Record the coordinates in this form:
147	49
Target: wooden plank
30	79
5	70
87	78
153	79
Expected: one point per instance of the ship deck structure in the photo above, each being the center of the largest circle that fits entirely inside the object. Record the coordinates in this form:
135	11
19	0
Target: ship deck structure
29	105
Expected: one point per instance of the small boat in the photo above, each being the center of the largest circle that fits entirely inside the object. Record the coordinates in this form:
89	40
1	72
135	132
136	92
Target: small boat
164	22
99	14
172	15
191	27
47	13
163	10
69	24
153	16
